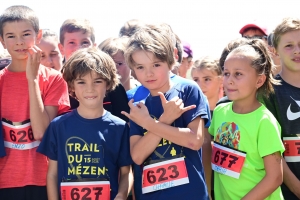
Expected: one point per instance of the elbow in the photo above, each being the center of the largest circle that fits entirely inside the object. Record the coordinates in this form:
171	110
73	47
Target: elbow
137	159
38	135
196	144
277	180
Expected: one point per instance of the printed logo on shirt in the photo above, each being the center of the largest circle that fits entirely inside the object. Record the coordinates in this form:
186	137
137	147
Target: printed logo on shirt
293	115
228	134
84	158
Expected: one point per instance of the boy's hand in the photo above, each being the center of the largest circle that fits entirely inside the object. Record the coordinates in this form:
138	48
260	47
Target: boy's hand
138	113
33	62
173	109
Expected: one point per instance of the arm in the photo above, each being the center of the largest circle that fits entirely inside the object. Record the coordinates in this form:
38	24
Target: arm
125	183
142	146
291	181
206	159
271	181
52	180
40	115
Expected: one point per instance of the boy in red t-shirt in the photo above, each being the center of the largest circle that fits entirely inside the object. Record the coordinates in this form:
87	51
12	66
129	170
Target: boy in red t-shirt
31	95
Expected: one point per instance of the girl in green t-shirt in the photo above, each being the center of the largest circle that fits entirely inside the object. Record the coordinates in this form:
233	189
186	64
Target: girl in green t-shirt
247	146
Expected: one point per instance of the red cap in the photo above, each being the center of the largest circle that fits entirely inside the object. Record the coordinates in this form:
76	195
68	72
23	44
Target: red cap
254	25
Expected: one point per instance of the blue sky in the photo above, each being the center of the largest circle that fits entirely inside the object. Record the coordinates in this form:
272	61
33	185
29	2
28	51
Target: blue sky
208	25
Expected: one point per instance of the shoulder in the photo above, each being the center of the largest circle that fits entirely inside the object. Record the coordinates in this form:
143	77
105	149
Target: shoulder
266	115
63	118
113	120
224	107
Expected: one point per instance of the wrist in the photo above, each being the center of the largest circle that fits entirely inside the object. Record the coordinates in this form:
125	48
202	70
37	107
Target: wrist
165	120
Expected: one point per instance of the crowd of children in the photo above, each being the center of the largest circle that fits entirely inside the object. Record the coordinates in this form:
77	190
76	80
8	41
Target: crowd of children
121	120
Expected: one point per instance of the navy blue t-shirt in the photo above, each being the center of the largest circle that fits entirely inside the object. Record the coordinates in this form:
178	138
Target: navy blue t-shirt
98	146
2	149
196	188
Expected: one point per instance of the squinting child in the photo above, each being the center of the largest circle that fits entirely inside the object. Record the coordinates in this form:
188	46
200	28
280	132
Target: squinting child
88	147
285	102
166	143
51	55
207	73
31	95
247	147
115	47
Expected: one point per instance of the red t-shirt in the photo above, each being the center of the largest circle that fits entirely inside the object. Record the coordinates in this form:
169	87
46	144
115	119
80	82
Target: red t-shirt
22	165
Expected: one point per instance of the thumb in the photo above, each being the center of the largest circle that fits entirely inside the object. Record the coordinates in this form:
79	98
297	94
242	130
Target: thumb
188	108
162	98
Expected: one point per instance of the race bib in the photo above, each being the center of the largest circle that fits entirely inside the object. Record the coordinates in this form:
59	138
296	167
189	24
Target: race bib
227	161
18	135
165	174
292	149
93	190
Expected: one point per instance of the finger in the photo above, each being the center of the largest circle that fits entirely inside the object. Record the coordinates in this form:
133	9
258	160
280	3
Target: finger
162	98
178	102
130	104
188	108
175	99
126	114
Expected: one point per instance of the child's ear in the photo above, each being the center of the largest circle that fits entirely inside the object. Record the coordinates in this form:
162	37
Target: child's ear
95	45
39	36
176	54
61	49
261	80
2	42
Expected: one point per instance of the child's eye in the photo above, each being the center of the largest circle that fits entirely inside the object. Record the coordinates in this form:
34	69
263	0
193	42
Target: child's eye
26	34
207	79
195	79
85	43
42	56
10	36
99	81
225	74
156	65
119	64
80	82
238	74
71	42
139	67
289	45
53	54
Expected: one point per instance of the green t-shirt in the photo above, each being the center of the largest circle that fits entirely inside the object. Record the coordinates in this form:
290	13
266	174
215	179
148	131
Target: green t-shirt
256	133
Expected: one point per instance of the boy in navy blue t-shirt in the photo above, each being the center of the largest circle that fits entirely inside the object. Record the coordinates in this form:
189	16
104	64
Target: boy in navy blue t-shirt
88	147
167	145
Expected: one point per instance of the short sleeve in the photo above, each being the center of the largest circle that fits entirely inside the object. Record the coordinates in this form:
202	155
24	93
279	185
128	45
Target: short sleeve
269	135
194	96
124	156
2	149
56	93
135	129
48	145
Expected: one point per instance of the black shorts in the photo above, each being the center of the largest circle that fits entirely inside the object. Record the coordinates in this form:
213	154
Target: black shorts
29	192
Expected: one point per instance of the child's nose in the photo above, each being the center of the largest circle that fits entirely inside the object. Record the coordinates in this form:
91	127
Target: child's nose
20	41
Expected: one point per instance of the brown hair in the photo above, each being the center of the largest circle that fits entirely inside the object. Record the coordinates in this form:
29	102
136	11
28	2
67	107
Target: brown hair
154	39
261	61
287	25
19	13
130	27
208	63
87	60
75	25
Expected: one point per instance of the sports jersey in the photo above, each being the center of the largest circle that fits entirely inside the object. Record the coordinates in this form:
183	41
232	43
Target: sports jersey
252	135
88	148
22	165
285	106
196	188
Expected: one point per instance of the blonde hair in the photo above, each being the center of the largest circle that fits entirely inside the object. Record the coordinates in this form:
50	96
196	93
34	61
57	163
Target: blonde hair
154	39
287	25
76	25
261	61
111	46
207	63
86	60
